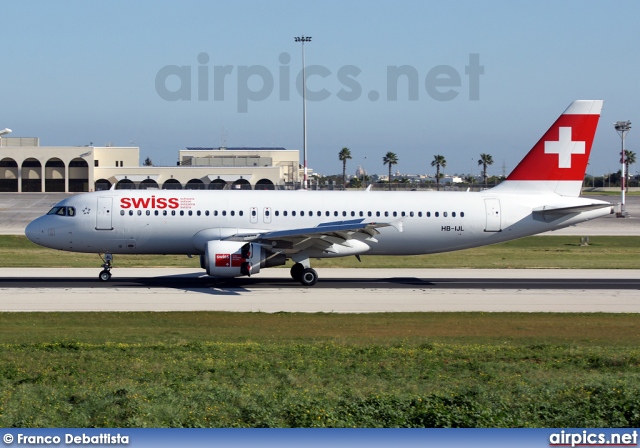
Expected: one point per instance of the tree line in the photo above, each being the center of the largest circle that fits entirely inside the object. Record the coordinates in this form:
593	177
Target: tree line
391	158
485	160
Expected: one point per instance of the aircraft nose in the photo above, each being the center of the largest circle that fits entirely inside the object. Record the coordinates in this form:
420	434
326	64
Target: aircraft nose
34	231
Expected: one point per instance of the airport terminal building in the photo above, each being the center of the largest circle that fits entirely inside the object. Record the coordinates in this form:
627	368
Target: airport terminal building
25	166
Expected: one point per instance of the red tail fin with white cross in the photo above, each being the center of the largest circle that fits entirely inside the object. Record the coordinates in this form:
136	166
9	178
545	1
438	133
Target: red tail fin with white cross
558	161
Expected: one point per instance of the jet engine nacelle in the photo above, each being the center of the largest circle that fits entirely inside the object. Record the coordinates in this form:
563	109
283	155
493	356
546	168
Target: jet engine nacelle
236	258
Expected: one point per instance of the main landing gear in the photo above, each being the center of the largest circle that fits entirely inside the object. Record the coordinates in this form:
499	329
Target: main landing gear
306	276
105	274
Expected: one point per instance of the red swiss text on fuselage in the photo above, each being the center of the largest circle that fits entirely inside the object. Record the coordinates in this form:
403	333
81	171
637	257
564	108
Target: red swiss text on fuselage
151	202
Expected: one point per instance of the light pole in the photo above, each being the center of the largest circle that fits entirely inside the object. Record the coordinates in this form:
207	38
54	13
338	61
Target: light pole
302	39
4	132
622	128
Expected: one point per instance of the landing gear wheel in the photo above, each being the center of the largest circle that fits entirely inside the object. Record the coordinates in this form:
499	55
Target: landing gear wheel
309	277
104	275
296	271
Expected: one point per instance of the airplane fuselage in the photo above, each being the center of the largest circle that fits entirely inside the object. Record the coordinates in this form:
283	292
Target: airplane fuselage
181	222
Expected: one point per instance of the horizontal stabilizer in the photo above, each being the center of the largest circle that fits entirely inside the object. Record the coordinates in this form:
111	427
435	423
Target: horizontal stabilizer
553	212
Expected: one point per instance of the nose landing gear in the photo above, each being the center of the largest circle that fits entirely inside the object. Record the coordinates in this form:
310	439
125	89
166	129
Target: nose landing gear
105	274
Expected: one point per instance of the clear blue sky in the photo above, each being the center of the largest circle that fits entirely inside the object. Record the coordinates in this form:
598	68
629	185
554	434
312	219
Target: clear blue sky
85	71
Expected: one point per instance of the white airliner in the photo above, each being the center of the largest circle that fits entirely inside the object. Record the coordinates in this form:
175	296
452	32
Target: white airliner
237	233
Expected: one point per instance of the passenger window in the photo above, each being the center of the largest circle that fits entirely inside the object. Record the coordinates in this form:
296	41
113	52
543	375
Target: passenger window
462	214
173	213
241	213
411	214
419	214
378	214
277	213
395	214
284	213
267	213
215	213
353	213
253	213
164	213
319	213
190	213
344	213
233	213
181	212
453	214
156	213
403	214
206	213
293	213
369	214
224	213
302	213
335	213
386	214
327	213
428	214
437	214
130	212
198	213
444	214
148	213
121	212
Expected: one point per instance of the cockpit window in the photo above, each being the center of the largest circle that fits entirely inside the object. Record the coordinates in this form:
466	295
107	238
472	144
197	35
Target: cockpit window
62	211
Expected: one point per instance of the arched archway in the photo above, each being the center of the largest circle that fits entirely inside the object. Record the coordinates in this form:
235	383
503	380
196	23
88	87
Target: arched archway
148	184
172	184
78	175
125	184
31	176
217	184
241	184
102	185
264	184
195	184
8	175
54	176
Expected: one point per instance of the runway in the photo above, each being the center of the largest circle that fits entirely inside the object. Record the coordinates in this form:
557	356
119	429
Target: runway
338	291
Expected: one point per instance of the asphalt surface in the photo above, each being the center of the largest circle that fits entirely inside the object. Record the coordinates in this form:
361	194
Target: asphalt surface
338	291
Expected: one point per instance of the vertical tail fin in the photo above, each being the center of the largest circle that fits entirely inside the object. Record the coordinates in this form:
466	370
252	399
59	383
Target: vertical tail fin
558	162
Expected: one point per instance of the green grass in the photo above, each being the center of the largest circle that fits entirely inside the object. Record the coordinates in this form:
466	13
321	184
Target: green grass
565	252
316	370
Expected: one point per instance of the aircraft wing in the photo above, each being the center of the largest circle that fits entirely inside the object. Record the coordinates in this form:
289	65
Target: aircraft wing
321	236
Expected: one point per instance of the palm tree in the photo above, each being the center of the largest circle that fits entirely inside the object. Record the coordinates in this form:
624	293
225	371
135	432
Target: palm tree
629	159
390	159
344	155
438	161
485	159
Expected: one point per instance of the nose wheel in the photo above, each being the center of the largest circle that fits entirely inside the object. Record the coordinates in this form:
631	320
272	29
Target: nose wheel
105	274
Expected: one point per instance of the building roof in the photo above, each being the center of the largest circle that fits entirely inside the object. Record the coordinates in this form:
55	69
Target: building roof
223	148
